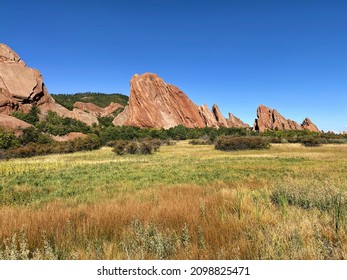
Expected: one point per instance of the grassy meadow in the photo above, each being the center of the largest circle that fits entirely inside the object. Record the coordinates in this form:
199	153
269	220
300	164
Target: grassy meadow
183	202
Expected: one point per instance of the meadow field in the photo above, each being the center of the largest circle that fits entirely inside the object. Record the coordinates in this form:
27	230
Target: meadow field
183	202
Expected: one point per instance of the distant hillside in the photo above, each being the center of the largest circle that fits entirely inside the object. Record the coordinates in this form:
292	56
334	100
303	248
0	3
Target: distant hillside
100	99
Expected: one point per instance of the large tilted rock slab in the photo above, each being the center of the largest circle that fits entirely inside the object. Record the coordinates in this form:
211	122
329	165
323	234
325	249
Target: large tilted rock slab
208	117
221	121
270	119
234	121
153	103
22	87
19	84
309	125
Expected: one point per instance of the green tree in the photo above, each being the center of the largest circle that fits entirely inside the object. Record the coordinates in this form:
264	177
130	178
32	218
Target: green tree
8	140
32	117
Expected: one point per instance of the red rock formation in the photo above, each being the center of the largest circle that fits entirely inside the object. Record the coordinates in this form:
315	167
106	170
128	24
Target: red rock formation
76	114
309	125
21	87
69	137
207	116
153	103
111	108
90	108
293	125
270	119
13	124
221	121
19	84
236	122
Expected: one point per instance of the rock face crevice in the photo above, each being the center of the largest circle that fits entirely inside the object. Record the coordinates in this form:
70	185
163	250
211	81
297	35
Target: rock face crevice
153	103
270	119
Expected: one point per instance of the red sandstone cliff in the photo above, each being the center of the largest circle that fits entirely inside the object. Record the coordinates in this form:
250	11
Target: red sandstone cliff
153	103
270	119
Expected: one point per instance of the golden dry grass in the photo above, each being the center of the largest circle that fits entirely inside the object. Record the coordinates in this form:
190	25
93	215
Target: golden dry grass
185	202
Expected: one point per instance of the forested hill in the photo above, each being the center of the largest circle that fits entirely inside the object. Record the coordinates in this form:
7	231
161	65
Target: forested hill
100	99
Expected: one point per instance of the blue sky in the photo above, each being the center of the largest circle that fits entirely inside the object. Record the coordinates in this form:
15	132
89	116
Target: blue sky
286	54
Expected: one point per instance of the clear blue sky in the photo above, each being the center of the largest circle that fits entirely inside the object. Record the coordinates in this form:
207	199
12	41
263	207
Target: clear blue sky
286	54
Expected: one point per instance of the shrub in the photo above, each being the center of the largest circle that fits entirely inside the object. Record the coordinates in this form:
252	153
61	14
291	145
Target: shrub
119	146
56	125
132	147
105	121
32	117
8	140
311	142
155	143
200	142
168	142
144	146
33	135
90	142
234	143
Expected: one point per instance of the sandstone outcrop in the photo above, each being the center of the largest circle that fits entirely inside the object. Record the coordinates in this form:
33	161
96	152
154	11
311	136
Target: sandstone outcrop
76	114
19	84
236	122
13	124
22	87
221	121
309	125
270	119
69	137
153	103
207	116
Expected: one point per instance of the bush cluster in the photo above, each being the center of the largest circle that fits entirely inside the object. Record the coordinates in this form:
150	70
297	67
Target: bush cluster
90	142
300	136
8	140
200	142
32	117
312	142
56	125
112	133
234	143
144	146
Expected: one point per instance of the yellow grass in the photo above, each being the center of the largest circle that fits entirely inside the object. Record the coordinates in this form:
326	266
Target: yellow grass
185	202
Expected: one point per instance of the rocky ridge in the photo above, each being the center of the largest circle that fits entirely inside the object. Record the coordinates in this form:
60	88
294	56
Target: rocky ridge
153	103
270	119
